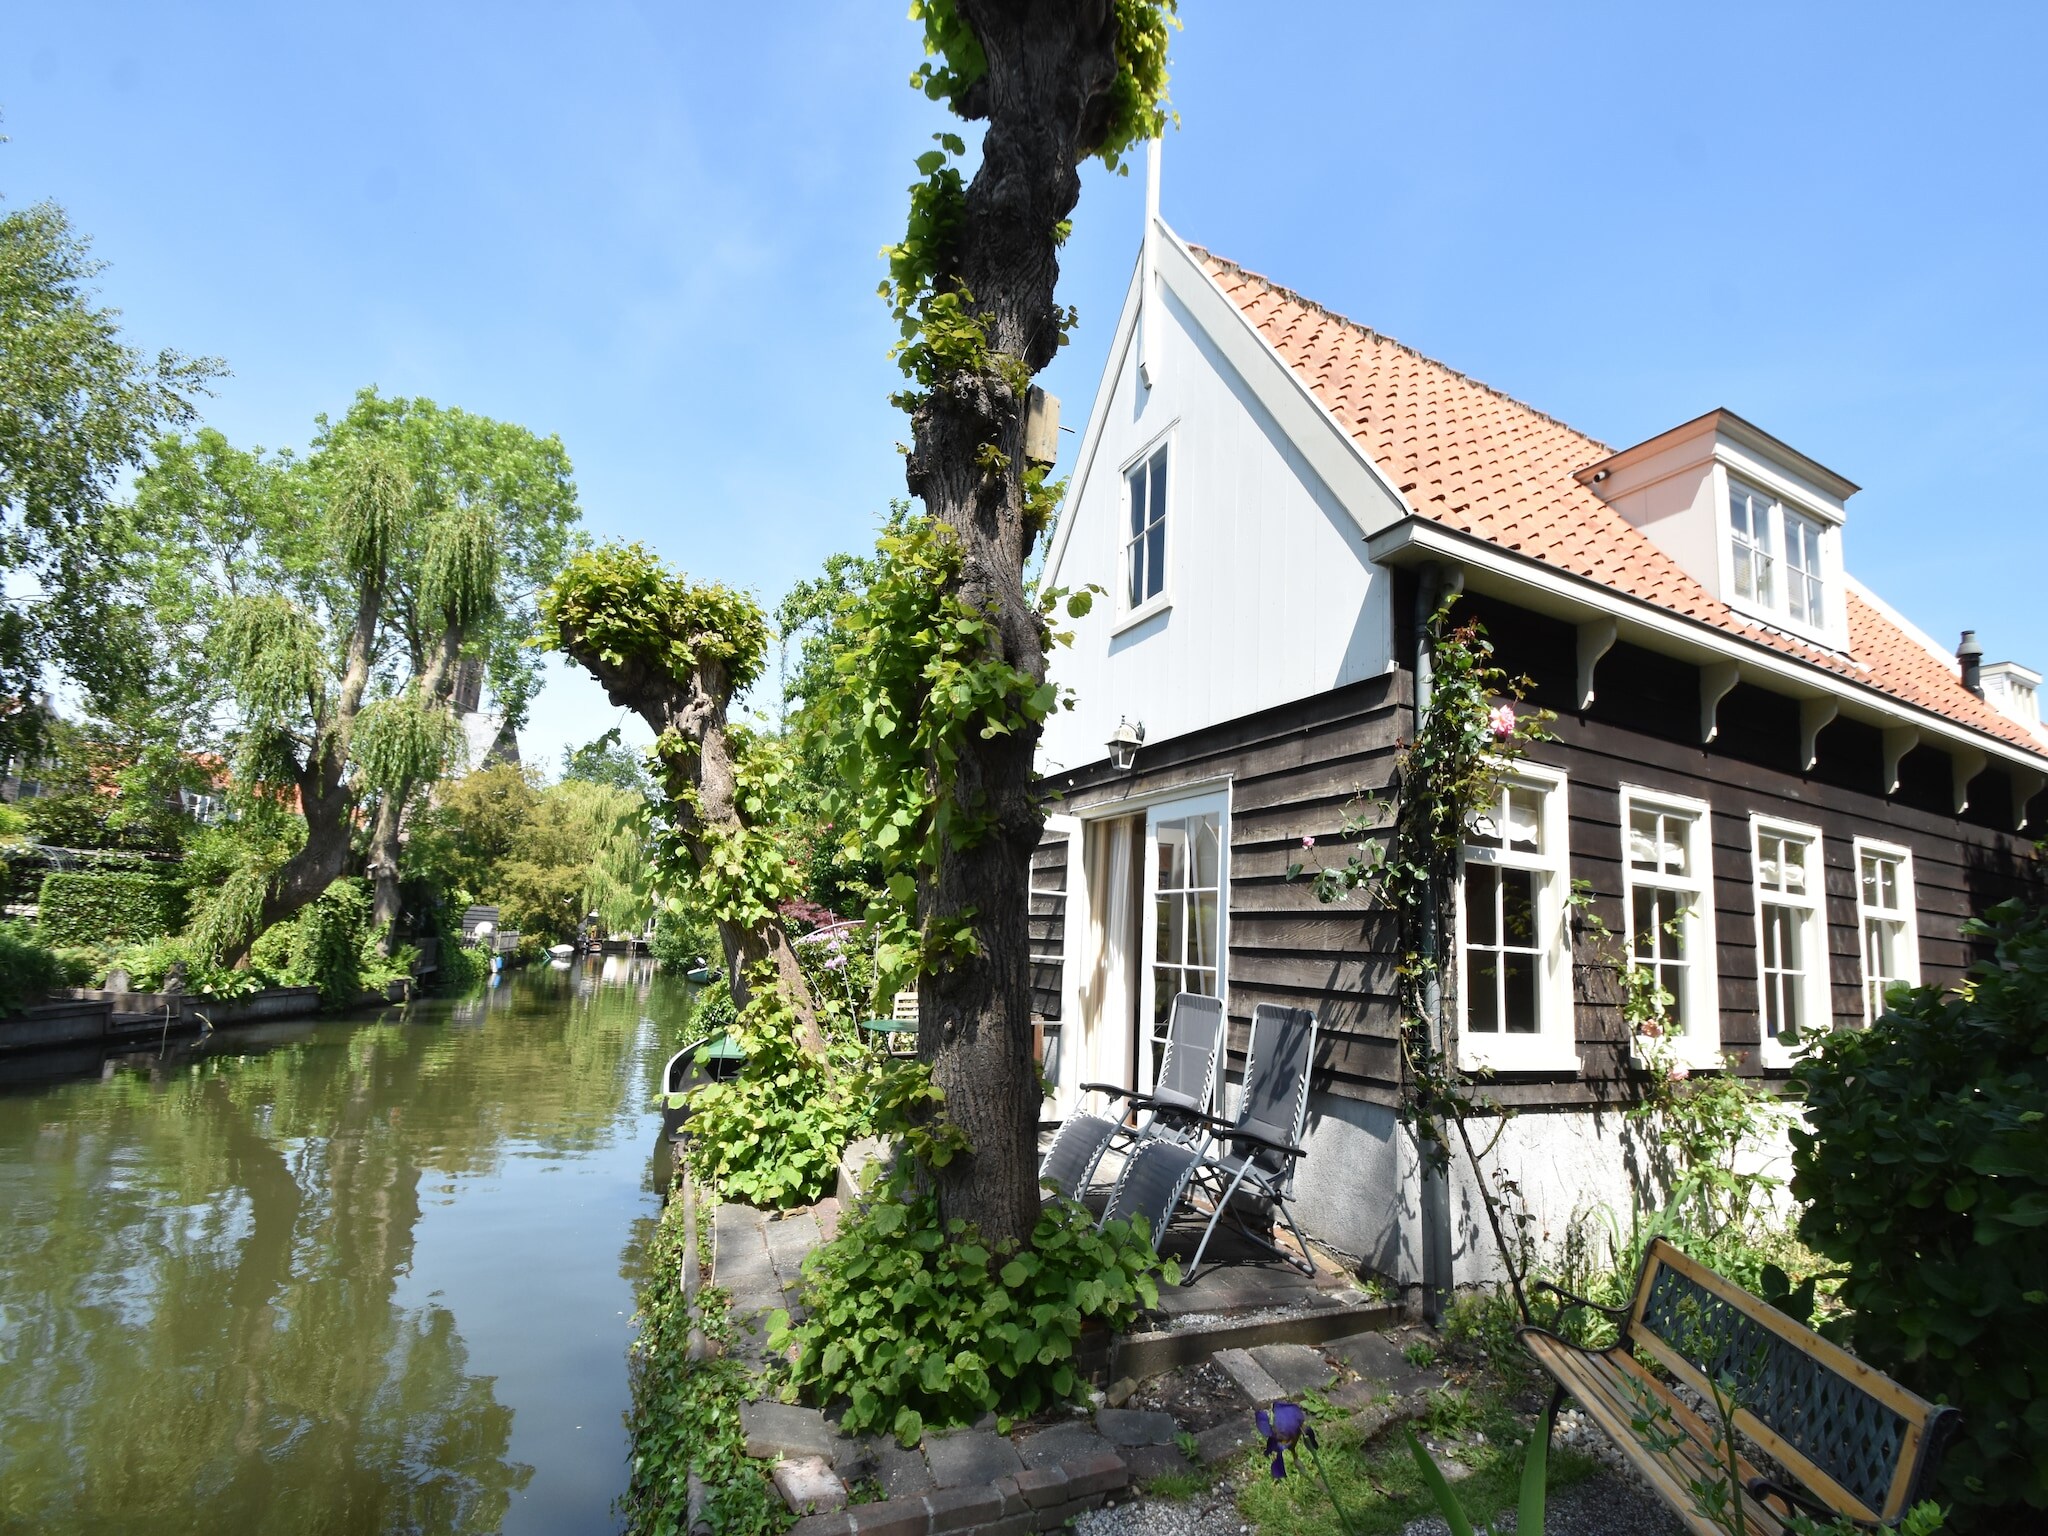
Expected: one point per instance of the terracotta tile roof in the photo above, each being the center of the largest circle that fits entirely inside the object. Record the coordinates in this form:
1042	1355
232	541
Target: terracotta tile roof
1479	461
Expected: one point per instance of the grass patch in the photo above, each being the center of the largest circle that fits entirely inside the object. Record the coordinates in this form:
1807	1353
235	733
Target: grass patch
1378	1482
1180	1485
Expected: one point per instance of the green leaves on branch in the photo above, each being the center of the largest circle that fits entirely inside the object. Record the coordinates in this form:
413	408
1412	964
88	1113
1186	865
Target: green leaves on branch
1924	1152
921	673
459	575
372	500
918	1324
620	601
275	655
403	741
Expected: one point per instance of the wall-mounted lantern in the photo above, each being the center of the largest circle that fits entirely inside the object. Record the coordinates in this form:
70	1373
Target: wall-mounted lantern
1124	742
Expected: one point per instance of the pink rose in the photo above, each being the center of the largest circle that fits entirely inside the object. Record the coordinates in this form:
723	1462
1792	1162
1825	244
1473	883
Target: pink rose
1308	842
1502	721
1680	1072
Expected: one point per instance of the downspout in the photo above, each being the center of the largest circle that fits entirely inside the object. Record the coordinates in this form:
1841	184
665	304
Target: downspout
1435	1193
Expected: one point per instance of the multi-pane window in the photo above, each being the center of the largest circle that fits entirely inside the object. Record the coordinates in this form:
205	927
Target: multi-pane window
1884	916
1145	549
1187	914
1514	985
1670	916
1749	522
1776	557
1802	570
1791	947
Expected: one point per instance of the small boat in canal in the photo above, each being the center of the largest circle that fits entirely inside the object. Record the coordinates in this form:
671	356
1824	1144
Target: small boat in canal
562	951
721	1061
698	975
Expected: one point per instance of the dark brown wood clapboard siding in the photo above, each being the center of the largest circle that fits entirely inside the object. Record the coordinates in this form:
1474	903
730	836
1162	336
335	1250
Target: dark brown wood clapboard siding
1296	771
1293	772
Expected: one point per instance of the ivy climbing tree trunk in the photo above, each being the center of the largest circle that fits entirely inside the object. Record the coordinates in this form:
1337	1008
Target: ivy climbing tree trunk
1044	75
683	692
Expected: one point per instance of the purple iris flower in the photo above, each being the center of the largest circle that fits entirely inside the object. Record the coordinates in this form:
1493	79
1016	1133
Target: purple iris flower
1286	1429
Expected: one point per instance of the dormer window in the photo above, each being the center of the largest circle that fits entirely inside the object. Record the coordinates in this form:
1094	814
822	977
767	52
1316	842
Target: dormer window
1776	558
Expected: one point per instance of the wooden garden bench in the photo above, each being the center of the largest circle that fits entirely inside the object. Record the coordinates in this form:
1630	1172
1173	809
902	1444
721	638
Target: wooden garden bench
1858	1444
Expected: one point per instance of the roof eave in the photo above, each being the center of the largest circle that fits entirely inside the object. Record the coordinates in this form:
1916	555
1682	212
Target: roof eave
1545	589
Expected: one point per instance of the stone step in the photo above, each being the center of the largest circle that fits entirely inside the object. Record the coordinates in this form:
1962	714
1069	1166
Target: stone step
1139	1355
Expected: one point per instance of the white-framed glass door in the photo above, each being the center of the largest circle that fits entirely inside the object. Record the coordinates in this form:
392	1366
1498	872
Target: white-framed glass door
1187	881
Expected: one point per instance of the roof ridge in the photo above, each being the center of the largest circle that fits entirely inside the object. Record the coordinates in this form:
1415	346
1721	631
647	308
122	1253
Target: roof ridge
1295	297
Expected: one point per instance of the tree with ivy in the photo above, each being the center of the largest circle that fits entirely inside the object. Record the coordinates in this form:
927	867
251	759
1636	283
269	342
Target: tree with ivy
676	653
79	408
972	286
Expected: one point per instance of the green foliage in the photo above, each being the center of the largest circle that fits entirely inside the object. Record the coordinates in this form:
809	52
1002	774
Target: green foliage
328	951
150	964
30	969
919	1324
226	917
404	740
620	601
605	761
685	1414
773	1135
1924	1159
920	672
79	407
102	908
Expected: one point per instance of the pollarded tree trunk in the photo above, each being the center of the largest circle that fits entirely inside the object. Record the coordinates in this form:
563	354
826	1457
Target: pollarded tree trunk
1047	98
700	780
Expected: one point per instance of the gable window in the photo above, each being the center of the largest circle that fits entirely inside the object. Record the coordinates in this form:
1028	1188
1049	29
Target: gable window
1668	880
1776	557
1145	548
1515	978
1749	520
1802	571
1885	919
1791	939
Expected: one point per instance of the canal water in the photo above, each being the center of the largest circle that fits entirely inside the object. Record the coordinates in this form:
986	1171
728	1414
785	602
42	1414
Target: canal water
369	1274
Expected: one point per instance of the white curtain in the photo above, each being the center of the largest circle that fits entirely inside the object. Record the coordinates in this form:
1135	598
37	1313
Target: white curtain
1102	1049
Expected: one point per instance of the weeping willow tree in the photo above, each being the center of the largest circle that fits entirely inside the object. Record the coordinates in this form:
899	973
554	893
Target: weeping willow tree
496	509
316	610
676	652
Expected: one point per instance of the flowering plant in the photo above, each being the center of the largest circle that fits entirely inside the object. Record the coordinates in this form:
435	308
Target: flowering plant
1288	1429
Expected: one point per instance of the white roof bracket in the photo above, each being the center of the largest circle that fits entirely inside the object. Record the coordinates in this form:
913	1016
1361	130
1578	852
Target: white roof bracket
1717	681
1898	741
2025	785
1596	639
1965	764
1814	717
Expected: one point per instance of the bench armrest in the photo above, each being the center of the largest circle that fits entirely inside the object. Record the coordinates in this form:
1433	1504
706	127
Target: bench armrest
1618	1315
1762	1488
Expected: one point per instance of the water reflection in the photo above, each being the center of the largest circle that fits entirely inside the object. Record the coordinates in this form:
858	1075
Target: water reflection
360	1276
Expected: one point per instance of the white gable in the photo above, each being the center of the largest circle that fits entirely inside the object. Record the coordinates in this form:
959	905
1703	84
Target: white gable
1268	593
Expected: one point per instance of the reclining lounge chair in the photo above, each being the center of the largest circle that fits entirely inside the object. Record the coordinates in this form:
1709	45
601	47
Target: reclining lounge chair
1250	1157
1175	1110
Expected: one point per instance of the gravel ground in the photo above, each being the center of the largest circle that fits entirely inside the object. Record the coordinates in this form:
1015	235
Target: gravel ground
1603	1505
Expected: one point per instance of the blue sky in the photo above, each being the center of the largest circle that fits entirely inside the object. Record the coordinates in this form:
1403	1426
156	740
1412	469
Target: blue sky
653	230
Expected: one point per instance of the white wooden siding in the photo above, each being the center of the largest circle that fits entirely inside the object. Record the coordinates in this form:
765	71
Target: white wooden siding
1270	595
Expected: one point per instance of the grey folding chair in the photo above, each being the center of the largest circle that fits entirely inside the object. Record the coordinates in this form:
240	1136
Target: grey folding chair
1175	1109
1252	1155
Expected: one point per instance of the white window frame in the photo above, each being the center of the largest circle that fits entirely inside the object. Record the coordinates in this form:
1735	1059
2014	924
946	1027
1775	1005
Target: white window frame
1824	574
1216	803
1815	1003
1699	1044
1128	615
1554	1045
1907	917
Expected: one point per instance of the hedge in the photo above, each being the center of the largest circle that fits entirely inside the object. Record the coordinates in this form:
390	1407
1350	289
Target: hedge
108	908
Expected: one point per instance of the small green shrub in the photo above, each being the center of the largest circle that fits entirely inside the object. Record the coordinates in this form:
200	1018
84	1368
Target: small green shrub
773	1135
685	1415
80	909
328	951
919	1324
149	966
1925	1159
29	969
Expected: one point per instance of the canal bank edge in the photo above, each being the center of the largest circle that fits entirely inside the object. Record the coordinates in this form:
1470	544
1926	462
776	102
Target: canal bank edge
80	1016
